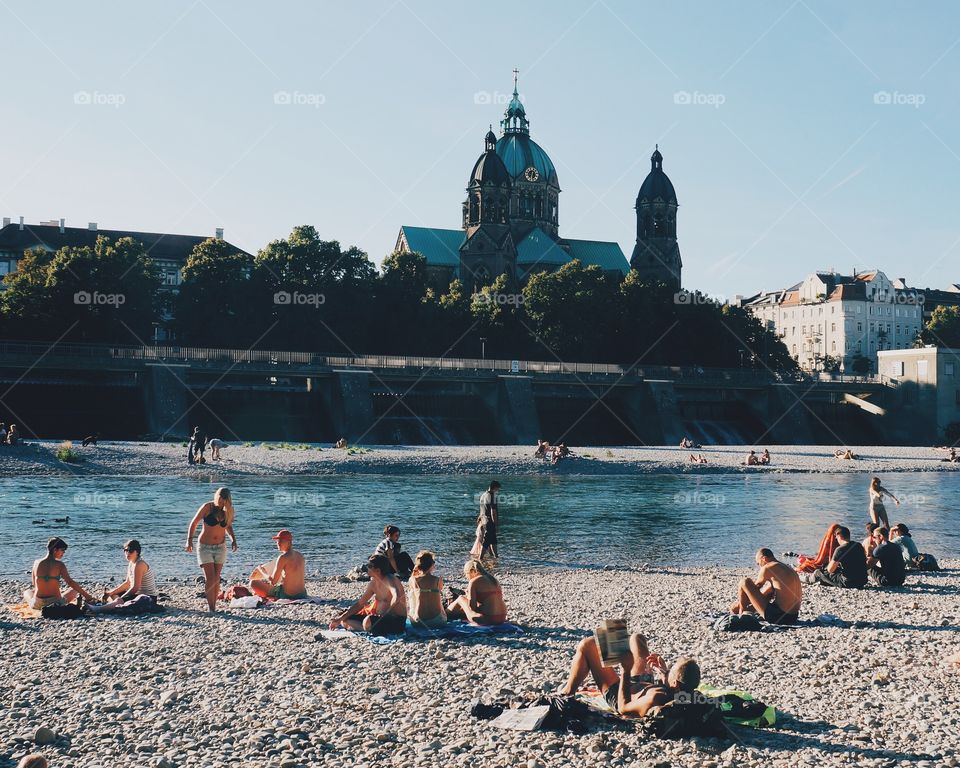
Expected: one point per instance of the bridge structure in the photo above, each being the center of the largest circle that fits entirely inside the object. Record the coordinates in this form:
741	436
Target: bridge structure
63	389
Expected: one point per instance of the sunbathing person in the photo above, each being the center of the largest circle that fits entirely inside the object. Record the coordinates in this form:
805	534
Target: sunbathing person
47	574
953	456
388	615
341	443
885	562
698	459
845	455
140	586
285	580
483	602
751	460
542	447
426	593
776	593
848	563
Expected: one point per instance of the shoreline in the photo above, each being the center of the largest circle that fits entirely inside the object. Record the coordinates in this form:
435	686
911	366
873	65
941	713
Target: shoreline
141	691
270	459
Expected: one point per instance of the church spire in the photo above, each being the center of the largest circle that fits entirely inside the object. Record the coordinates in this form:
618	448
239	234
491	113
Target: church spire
515	118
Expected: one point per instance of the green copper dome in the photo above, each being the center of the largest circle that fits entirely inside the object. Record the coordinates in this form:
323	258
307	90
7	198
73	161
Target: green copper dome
519	152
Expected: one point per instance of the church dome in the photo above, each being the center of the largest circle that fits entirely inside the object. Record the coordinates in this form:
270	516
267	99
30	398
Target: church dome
489	168
657	186
519	152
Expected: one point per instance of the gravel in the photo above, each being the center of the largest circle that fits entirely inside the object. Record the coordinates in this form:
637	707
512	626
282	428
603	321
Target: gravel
254	688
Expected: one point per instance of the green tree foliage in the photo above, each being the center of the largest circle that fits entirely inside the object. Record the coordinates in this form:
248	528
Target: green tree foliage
943	328
213	306
107	293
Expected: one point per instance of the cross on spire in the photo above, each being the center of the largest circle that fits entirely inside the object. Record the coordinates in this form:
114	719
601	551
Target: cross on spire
515	73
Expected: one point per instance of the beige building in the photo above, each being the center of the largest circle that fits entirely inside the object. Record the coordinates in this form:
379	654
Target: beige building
831	320
927	399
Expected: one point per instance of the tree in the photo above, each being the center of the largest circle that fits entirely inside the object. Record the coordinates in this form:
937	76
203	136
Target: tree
107	293
213	307
943	328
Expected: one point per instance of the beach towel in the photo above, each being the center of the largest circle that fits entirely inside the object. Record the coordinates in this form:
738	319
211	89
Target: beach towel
451	630
24	611
827	544
339	634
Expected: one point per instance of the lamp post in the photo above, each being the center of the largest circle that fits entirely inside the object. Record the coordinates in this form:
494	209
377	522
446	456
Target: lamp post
841	371
483	347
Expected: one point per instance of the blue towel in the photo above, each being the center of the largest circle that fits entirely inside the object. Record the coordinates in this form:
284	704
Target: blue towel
461	629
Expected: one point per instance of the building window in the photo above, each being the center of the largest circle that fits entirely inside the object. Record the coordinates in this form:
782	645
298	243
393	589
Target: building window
948	369
859	309
859	346
833	327
833	346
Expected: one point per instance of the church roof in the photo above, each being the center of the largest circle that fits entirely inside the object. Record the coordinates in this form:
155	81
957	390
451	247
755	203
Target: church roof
657	186
489	169
519	152
539	248
440	247
607	256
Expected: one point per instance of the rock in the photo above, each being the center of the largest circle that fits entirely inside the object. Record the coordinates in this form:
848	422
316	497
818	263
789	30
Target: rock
167	698
44	736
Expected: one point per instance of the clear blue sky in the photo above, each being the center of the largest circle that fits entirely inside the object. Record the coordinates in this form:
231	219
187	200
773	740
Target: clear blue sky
798	168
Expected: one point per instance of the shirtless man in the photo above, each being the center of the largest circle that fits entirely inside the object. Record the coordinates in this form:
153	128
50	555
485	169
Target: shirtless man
776	593
389	615
287	579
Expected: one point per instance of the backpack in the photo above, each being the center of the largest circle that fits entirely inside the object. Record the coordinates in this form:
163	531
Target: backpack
738	622
685	717
925	562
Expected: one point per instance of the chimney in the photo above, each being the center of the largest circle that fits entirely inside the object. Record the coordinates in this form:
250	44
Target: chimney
6	221
219	233
62	225
92	226
21	223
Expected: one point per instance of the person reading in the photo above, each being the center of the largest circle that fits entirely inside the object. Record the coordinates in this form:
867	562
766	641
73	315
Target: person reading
885	564
848	563
286	578
388	614
776	593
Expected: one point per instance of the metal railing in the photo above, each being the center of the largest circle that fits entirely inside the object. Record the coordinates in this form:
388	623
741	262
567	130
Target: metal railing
39	351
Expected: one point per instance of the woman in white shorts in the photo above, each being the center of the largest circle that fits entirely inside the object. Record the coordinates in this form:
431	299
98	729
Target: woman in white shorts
217	518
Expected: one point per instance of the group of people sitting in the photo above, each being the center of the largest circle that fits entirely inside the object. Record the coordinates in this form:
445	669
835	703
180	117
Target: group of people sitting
9	436
881	558
753	460
952	456
688	444
552	452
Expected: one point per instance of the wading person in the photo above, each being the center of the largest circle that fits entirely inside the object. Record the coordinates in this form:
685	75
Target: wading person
217	523
487	521
878	513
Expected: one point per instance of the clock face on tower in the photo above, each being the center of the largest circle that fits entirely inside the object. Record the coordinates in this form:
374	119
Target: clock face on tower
531	174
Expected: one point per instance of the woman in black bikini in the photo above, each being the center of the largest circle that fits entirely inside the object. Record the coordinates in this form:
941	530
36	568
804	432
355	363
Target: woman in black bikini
217	517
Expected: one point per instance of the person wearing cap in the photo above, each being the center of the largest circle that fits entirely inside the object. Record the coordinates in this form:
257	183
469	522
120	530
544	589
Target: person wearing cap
139	587
287	578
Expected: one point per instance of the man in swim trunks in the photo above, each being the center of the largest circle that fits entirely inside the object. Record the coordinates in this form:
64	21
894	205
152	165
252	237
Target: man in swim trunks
287	579
775	594
389	614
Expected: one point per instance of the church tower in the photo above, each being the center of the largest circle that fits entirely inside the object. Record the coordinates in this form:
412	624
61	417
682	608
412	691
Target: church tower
656	255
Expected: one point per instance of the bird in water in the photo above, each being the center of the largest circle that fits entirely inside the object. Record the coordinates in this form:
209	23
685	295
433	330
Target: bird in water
38	522
62	519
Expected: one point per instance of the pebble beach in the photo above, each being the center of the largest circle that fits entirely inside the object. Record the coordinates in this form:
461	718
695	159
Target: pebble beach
278	459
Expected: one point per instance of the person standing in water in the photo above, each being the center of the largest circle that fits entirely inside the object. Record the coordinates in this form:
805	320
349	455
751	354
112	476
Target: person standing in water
878	513
487	521
217	517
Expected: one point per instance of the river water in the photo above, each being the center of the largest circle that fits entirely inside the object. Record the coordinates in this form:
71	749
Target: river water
545	521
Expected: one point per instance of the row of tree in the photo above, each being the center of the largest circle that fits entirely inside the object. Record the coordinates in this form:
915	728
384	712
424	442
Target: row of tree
304	293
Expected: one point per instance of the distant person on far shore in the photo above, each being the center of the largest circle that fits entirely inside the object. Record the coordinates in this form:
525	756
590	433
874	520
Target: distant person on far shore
91	439
776	593
47	574
952	457
13	435
844	455
3	433
848	563
286	579
764	459
488	520
140	586
341	443
426	593
483	602
751	460
885	563
698	459
389	610
215	445
217	517
878	513
542	447
191	443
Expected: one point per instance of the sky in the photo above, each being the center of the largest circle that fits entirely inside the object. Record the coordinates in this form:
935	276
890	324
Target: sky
799	135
